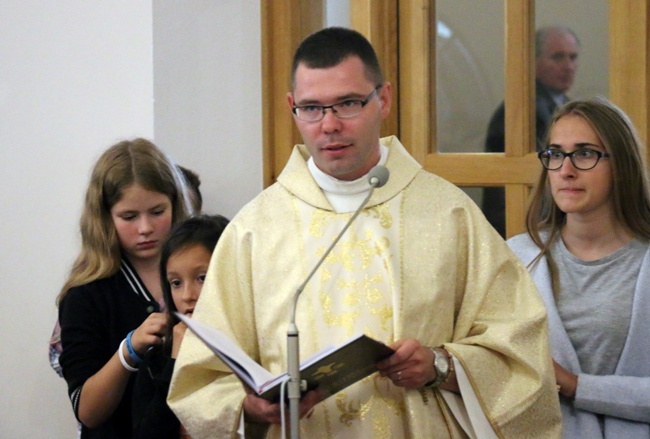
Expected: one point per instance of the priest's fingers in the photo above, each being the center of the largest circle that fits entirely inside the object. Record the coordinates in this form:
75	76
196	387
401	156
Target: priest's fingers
308	401
403	358
259	410
397	377
406	379
411	366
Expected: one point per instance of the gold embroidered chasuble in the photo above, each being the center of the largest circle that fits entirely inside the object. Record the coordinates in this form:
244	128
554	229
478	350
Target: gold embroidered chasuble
419	262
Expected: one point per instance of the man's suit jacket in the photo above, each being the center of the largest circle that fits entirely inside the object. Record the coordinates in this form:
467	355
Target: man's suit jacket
493	204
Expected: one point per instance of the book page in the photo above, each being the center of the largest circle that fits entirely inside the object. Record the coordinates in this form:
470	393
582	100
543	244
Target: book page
230	353
330	370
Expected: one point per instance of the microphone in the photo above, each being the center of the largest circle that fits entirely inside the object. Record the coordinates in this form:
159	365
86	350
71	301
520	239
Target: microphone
377	177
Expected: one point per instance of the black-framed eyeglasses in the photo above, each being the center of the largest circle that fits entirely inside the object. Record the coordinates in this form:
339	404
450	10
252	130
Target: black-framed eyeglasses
583	158
342	110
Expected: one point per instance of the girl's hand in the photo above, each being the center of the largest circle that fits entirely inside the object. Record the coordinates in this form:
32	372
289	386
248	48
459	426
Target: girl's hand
149	333
567	381
179	332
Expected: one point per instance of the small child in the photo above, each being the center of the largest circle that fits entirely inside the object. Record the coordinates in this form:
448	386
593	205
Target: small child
184	261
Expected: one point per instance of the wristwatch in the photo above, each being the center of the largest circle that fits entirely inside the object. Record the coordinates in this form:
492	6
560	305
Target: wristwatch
443	366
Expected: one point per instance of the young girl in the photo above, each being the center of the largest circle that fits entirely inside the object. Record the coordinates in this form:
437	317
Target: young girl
588	249
108	305
184	262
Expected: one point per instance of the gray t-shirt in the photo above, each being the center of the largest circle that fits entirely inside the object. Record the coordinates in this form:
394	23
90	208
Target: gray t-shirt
595	302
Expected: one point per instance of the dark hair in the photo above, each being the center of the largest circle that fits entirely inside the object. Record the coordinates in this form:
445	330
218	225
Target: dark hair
202	230
330	46
193	181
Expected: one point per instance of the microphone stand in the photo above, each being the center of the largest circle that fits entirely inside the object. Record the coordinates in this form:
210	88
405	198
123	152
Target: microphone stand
295	386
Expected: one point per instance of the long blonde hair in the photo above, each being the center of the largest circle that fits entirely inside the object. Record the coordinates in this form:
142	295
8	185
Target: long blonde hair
630	186
123	164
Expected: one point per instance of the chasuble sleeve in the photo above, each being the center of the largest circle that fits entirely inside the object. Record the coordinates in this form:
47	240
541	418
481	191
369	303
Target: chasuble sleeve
501	338
486	309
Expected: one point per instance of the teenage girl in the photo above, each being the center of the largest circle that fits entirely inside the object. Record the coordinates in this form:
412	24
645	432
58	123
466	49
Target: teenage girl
588	249
108	307
184	262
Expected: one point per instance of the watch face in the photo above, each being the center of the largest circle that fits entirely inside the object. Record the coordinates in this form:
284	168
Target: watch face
442	363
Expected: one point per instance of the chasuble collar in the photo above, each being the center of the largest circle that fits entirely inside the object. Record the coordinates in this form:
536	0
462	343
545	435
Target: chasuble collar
297	179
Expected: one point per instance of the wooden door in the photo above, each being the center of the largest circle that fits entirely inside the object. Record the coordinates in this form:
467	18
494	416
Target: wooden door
400	31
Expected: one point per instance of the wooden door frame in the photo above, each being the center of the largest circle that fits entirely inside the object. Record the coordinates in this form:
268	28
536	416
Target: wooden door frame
517	168
629	86
400	31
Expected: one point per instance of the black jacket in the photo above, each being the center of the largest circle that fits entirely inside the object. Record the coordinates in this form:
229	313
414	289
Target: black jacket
94	319
152	417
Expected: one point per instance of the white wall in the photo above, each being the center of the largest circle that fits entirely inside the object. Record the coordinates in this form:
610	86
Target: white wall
208	108
75	77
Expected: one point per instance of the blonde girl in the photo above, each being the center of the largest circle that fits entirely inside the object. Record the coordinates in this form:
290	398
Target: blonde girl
109	306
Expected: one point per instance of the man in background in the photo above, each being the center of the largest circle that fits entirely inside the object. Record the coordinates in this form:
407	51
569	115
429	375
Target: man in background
556	63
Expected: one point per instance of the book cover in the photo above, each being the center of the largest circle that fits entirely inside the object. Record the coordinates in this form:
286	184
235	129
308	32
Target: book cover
330	370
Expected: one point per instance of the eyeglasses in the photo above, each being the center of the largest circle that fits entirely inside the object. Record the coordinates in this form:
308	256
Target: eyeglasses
342	110
583	158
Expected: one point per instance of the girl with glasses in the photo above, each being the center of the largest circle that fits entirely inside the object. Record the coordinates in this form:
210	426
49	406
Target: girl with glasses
587	247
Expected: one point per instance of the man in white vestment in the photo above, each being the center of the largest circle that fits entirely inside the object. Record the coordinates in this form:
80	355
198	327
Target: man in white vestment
420	269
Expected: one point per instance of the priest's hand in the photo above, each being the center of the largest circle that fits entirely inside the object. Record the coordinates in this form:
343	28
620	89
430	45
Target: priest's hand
411	366
260	410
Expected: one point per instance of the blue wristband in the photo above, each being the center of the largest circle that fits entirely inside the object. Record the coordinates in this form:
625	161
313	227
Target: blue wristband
129	346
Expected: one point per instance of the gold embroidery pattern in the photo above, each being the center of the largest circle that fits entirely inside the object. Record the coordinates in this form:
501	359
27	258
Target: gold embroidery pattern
356	254
350	410
339	318
385	394
347	252
371	294
319	219
354	290
382	213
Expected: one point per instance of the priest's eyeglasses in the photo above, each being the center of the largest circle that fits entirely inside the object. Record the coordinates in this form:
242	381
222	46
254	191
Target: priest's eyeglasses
583	158
342	110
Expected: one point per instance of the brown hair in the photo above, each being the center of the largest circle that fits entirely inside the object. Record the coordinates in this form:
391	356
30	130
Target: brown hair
630	189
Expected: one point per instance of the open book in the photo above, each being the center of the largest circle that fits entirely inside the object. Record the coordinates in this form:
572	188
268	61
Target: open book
331	370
